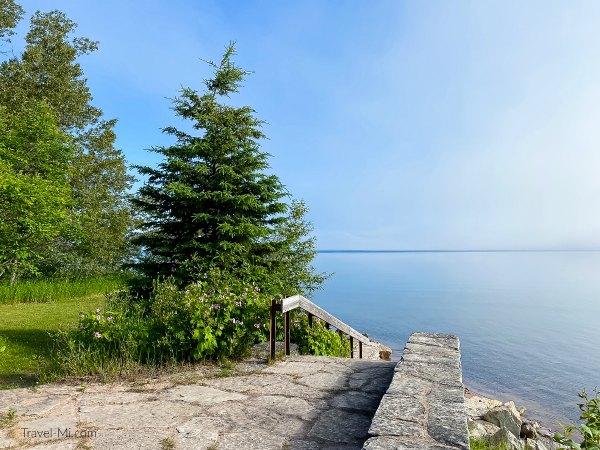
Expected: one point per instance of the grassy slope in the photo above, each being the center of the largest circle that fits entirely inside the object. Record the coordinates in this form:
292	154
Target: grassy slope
25	329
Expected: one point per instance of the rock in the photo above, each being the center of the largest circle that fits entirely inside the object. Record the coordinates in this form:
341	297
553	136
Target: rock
535	445
549	443
476	406
481	429
513	409
340	427
503	436
529	430
505	416
385	354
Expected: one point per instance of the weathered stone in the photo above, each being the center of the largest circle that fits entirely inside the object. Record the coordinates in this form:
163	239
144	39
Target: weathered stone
452	360
431	373
244	416
549	443
115	398
273	407
504	416
447	427
248	384
201	395
58	445
6	442
481	429
399	416
507	438
302	444
324	381
340	426
513	409
371	381
51	428
251	439
529	430
38	406
356	400
135	416
424	405
200	432
289	406
140	439
398	443
406	385
534	444
435	340
476	406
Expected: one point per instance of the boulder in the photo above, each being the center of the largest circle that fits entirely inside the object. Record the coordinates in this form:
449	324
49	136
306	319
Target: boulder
549	443
529	430
506	438
505	416
476	406
480	429
535	445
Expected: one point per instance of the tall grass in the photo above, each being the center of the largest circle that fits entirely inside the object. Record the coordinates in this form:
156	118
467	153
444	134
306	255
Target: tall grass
48	290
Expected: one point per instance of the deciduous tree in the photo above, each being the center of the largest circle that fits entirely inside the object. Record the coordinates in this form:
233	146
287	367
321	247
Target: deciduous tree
48	70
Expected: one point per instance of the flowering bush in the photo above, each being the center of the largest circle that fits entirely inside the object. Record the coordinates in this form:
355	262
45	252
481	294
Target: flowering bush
213	318
217	317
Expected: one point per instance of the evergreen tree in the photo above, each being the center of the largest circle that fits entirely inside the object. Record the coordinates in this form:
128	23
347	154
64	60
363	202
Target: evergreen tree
210	201
48	70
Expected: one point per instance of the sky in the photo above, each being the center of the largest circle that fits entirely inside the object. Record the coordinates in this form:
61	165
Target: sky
402	124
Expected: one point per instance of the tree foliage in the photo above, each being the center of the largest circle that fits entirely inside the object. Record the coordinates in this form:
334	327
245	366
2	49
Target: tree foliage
34	191
10	15
48	70
210	202
210	198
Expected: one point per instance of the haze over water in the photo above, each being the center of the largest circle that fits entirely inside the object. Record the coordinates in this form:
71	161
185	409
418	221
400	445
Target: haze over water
527	321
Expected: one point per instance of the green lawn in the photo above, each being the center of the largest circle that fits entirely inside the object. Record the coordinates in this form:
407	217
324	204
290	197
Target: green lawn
24	329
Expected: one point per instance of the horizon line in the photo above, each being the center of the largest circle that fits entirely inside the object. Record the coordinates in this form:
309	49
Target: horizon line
459	251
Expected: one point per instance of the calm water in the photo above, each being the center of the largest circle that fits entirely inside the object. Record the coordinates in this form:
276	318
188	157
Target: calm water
528	322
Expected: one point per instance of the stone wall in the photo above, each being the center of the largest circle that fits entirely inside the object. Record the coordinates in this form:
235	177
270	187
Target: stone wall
423	407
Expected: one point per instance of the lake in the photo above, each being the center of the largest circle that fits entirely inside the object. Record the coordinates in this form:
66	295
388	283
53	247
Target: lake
528	321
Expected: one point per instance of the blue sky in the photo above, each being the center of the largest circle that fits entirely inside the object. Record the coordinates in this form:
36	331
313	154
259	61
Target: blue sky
402	124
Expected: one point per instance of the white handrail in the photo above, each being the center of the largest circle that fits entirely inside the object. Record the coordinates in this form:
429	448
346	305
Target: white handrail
298	301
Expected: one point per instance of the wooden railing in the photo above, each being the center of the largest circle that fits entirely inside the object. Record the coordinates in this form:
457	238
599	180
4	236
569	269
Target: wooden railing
298	301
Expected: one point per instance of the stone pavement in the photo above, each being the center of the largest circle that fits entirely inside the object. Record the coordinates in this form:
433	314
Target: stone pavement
300	403
424	406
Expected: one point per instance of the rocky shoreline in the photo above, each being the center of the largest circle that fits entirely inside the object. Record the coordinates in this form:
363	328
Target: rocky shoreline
496	422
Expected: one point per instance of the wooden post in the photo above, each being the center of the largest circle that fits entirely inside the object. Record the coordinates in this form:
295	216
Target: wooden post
360	349
286	333
351	347
310	320
273	328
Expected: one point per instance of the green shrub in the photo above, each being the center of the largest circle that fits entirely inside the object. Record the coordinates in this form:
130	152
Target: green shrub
589	429
216	318
317	340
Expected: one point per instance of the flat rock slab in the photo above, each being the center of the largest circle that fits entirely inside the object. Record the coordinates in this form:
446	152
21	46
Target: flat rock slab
302	402
423	407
